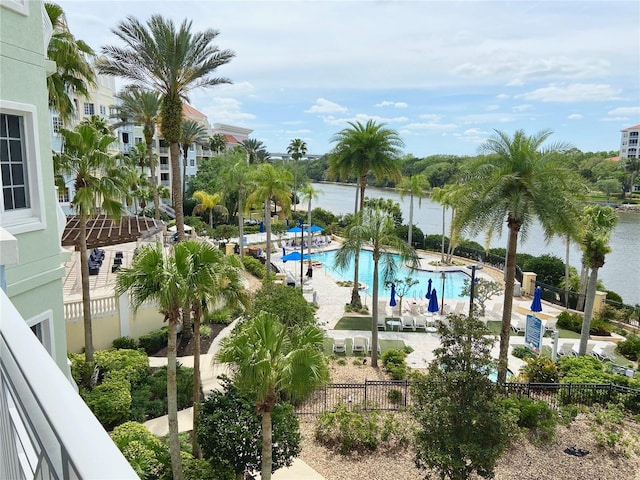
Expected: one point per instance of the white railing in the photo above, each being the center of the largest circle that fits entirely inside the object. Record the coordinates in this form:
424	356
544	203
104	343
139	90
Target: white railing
100	307
47	430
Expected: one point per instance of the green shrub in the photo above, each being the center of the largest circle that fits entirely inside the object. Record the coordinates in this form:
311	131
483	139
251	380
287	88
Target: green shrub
222	316
130	364
630	347
570	321
536	416
144	452
356	430
541	370
394	362
184	379
254	266
522	351
583	369
394	396
600	327
110	401
125	343
155	341
206	331
80	370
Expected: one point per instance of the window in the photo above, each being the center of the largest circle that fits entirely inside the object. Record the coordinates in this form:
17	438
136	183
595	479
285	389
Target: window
21	202
88	109
192	163
103	110
137	140
41	326
192	147
633	134
57	124
125	138
63	195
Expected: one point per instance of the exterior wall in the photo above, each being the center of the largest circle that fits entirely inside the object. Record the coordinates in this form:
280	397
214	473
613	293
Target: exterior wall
34	284
630	142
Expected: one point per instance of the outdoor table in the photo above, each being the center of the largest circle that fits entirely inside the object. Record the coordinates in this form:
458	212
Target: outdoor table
394	323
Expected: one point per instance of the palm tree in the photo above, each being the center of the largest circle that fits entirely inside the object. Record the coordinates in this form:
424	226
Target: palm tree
84	157
208	202
270	360
236	175
165	279
171	61
73	75
217	143
270	184
214	281
374	228
309	193
192	132
362	149
142	107
517	181
256	151
297	149
597	222
413	186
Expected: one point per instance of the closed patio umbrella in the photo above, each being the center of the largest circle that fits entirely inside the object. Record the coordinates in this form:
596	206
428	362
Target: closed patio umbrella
536	304
428	289
392	302
433	302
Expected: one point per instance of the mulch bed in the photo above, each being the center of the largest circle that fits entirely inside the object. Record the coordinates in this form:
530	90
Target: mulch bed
185	346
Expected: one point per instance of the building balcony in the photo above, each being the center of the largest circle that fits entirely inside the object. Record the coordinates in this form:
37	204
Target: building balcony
47	430
164	150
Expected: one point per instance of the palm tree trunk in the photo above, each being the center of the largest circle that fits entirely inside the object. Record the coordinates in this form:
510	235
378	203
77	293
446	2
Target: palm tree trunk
588	310
363	186
176	189
197	384
172	398
295	185
267	224
187	324
184	171
510	276
566	274
374	316
267	446
154	180
410	232
355	207
86	293
241	222
444	211
584	273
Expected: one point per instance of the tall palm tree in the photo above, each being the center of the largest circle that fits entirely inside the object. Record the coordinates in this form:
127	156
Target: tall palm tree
270	184
217	143
414	186
256	151
309	193
374	228
142	107
207	202
236	174
268	360
171	61
597	223
74	74
518	180
297	149
192	132
84	157
165	279
214	281
362	149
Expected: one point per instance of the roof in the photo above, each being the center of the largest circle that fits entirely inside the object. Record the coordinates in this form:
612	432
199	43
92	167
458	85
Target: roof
635	127
103	231
613	159
231	139
189	112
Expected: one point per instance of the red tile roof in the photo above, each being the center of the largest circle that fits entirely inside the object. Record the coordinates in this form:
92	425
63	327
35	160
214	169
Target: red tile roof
190	112
635	127
230	139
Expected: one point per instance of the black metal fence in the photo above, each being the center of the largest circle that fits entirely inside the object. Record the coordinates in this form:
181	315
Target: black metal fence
376	395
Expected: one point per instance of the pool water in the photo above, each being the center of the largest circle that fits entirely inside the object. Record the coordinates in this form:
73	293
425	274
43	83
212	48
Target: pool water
453	284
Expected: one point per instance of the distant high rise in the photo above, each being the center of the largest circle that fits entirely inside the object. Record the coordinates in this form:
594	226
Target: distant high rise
629	142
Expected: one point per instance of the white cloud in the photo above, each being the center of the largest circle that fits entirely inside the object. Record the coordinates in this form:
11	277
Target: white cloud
574	92
575	116
487	118
323	105
614	119
362	118
503	96
625	111
431	127
521	108
387	103
491	108
225	110
432	117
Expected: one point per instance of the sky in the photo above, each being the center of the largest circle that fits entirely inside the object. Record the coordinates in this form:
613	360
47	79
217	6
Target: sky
443	74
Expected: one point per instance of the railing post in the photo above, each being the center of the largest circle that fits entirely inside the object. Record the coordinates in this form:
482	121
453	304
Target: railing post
365	394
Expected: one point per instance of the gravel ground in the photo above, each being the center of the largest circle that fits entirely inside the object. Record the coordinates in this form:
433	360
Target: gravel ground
522	461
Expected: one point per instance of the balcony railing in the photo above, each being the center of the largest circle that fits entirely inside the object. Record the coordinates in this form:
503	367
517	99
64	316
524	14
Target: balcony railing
47	430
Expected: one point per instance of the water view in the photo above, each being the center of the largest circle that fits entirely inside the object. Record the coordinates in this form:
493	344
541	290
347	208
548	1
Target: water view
452	285
621	272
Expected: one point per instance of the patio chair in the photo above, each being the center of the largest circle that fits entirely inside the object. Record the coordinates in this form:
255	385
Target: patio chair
359	344
421	322
566	350
379	349
459	310
519	325
382	322
590	347
408	322
604	352
550	325
339	345
496	310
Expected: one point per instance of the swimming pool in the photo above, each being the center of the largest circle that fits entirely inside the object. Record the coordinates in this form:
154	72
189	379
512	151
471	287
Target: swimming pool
453	284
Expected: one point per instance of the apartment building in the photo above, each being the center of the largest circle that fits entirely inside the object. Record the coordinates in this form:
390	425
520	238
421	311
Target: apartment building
629	138
47	431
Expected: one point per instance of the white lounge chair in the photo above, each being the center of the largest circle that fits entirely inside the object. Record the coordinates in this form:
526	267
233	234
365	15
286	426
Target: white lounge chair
566	350
382	322
421	322
519	325
496	311
379	349
604	351
459	310
408	322
590	346
339	345
551	324
359	344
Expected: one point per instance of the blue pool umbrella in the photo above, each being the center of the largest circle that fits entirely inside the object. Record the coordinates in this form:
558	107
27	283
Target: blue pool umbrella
433	302
261	227
536	304
315	229
293	256
428	289
312	229
392	302
295	230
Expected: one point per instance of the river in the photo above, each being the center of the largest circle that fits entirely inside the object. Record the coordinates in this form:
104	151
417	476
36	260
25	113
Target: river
621	272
